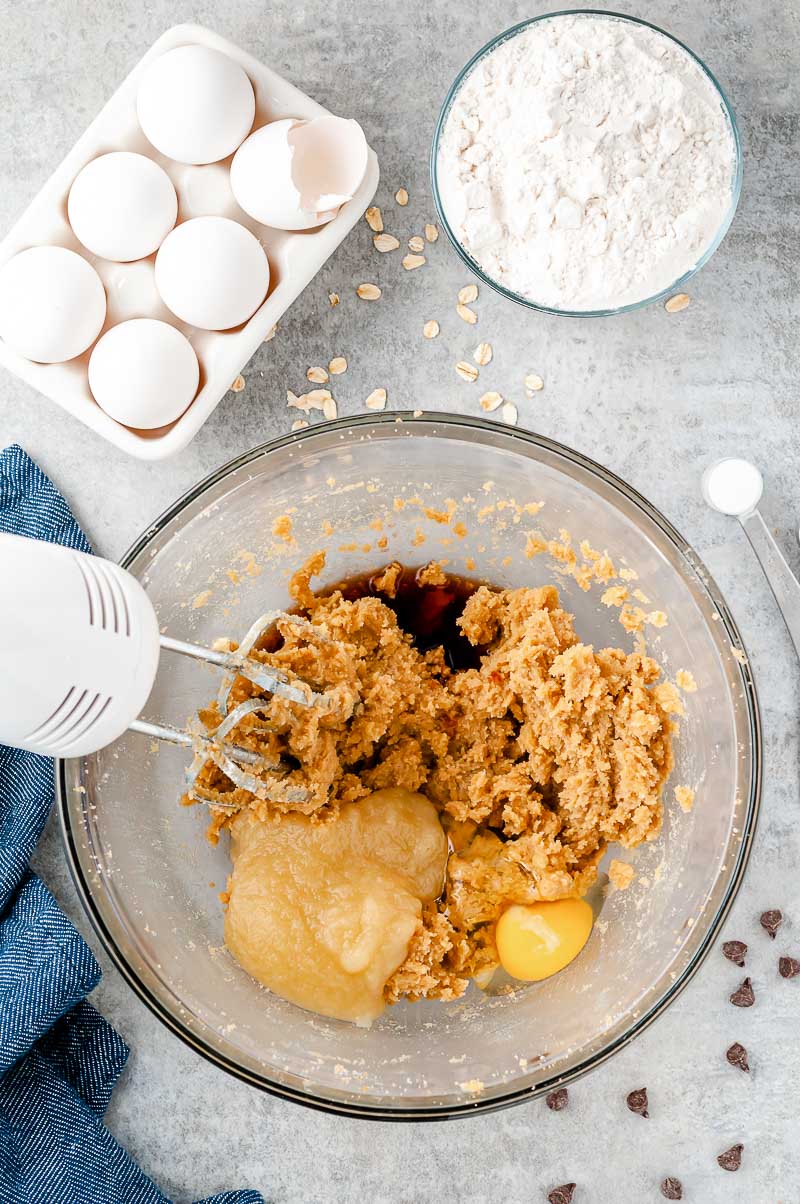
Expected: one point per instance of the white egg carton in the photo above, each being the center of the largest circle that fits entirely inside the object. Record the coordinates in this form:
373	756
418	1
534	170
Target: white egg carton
294	258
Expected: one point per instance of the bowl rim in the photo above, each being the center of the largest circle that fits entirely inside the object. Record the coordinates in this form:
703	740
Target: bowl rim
473	265
495	1103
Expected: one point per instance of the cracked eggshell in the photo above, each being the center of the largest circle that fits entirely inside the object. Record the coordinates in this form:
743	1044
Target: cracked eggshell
294	175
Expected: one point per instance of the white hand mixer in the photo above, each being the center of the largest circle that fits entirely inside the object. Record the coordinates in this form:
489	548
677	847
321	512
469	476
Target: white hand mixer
79	652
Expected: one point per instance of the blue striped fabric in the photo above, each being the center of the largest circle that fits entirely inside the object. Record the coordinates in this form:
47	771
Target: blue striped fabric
59	1059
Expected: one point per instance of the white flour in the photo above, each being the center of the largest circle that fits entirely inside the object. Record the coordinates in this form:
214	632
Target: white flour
586	163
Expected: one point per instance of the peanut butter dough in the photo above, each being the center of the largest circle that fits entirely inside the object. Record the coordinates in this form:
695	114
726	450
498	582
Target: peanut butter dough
535	762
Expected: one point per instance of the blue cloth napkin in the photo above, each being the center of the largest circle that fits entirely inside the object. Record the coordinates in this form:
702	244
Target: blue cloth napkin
59	1059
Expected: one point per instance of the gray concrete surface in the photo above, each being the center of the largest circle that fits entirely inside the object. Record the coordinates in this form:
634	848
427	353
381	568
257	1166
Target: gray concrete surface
652	396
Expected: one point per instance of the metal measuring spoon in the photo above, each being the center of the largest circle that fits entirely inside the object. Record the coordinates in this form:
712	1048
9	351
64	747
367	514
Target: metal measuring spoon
734	487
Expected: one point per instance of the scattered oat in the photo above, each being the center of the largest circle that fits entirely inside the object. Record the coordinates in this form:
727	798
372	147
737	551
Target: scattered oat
417	414
771	921
333	299
374	219
270	335
685	681
401	196
491	401
509	413
466	371
376	400
337	366
329	408
385	242
368	292
685	797
237	385
620	874
533	383
431	232
466	314
637	1102
317	376
201	600
468	294
299	424
482	354
415	243
315	400
675	304
431	329
411	262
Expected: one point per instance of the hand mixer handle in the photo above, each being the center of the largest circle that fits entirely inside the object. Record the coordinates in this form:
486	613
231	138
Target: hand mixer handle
79	648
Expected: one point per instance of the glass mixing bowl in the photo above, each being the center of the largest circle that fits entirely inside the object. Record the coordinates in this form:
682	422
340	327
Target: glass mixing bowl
474	266
145	871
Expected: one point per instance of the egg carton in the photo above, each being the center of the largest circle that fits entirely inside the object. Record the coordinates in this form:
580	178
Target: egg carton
294	258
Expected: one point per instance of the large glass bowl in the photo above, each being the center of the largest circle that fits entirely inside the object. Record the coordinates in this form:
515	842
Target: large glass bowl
145	872
474	266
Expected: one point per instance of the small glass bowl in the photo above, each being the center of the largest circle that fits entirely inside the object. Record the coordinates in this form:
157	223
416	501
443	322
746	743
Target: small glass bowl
475	267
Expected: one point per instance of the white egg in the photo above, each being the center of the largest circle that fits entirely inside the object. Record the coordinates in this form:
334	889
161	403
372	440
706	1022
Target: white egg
294	175
212	273
121	206
52	304
143	373
195	104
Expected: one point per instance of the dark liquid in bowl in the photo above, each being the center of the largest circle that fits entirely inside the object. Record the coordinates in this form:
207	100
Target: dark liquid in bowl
428	613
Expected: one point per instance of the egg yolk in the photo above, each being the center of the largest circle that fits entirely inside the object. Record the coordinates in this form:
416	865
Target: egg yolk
539	939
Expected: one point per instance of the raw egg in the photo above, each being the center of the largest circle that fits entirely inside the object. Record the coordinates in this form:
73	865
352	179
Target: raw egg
122	206
294	175
212	273
143	373
52	304
195	104
539	939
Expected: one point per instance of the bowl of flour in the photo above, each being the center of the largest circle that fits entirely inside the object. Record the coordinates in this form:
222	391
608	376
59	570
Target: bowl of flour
586	163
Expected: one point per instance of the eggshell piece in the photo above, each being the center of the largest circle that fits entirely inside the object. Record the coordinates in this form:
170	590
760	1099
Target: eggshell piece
143	373
122	206
52	304
212	273
195	104
294	175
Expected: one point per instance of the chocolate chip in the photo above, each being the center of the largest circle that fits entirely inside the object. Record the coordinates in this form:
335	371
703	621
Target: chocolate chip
771	922
562	1194
637	1102
744	996
557	1100
731	1160
672	1189
788	967
735	951
737	1056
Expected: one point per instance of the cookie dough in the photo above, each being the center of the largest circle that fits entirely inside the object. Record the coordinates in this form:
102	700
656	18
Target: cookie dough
535	762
